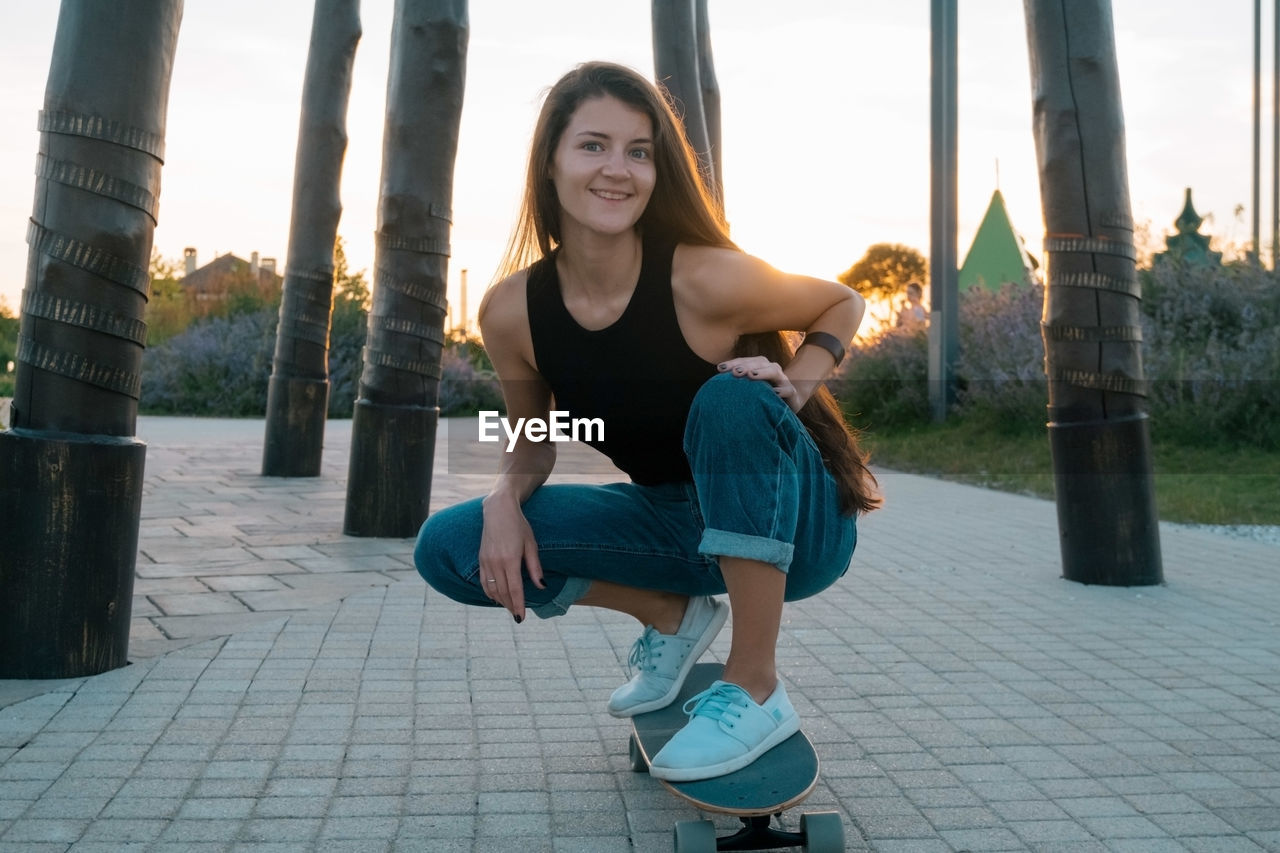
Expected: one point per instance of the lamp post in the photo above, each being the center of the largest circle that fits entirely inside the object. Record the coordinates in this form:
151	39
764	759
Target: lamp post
944	325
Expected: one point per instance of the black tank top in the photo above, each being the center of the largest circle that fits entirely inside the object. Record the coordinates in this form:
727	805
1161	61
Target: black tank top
638	375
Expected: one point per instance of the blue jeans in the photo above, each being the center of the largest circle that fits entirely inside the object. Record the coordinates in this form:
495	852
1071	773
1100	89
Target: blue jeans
760	491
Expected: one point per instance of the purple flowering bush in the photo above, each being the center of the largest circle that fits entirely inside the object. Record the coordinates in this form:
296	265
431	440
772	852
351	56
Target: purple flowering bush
884	382
1000	368
220	367
1000	364
1211	355
466	384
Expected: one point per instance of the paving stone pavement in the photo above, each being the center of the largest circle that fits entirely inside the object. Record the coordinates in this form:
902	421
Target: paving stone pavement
295	689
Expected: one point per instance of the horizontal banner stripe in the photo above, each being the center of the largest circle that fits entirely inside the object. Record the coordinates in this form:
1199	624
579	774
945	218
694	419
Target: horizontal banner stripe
1092	334
1091	246
304	331
98	183
78	367
322	276
429	369
102	129
1097	281
88	258
1101	382
429	294
84	316
406	327
421	245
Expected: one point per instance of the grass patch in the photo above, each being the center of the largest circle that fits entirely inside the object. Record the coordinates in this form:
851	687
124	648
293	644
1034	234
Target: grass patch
6	384
1203	485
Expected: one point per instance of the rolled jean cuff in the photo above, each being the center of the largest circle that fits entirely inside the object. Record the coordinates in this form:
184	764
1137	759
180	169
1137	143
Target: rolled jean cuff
725	543
574	588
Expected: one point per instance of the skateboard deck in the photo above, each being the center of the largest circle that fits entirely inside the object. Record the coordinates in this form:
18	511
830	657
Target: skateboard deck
781	778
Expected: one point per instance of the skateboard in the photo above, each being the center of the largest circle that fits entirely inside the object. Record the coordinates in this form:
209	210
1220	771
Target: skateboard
775	782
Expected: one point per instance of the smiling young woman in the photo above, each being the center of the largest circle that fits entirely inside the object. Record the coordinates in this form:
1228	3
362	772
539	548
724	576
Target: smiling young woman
603	170
623	299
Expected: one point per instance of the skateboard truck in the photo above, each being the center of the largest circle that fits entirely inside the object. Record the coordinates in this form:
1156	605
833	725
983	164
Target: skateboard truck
820	832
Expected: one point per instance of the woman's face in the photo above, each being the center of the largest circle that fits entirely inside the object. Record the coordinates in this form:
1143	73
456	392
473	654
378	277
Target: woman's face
603	167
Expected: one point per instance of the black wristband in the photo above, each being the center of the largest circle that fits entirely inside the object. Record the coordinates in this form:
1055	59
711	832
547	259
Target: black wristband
828	342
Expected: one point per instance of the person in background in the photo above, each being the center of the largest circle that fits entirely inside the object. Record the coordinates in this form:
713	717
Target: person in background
912	312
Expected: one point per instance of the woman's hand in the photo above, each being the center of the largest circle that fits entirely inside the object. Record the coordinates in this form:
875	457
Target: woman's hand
507	546
761	369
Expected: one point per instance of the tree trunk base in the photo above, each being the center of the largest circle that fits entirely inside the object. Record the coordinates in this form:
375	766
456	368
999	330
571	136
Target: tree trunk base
296	411
68	547
389	478
1107	518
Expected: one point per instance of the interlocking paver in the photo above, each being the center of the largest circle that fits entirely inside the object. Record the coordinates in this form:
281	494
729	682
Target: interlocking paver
962	695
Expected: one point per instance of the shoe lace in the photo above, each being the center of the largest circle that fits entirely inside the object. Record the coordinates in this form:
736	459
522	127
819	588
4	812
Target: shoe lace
644	651
722	703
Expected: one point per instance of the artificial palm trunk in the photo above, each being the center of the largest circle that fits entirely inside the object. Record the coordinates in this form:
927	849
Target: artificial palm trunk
676	60
394	429
1098	428
710	99
70	468
298	393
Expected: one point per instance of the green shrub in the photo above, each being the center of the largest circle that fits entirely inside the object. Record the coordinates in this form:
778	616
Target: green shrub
346	355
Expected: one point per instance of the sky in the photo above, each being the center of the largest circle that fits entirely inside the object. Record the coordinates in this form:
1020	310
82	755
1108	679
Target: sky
825	122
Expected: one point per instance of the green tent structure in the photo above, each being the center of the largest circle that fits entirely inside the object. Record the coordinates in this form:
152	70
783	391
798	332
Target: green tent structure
1188	245
998	254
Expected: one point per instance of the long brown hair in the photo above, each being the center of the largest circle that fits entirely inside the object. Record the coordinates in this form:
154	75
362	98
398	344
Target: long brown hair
681	209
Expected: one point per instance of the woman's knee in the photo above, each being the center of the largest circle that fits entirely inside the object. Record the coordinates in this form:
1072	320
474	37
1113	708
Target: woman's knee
732	405
725	392
819	568
448	548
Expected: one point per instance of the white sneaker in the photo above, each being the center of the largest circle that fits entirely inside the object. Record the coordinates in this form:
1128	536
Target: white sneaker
659	663
726	731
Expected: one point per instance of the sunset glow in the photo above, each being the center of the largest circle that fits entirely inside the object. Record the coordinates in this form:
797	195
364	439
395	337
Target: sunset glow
825	116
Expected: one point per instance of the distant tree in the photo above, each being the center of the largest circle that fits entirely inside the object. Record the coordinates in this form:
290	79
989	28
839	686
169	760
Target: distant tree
8	337
885	269
246	294
163	268
346	332
168	311
348	287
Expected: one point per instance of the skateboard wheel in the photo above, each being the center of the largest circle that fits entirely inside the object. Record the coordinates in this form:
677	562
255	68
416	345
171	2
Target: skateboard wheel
823	832
638	764
695	836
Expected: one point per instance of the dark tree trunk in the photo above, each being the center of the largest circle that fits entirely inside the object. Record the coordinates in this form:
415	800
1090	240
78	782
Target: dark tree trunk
70	468
676	61
298	394
1098	428
393	434
710	88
